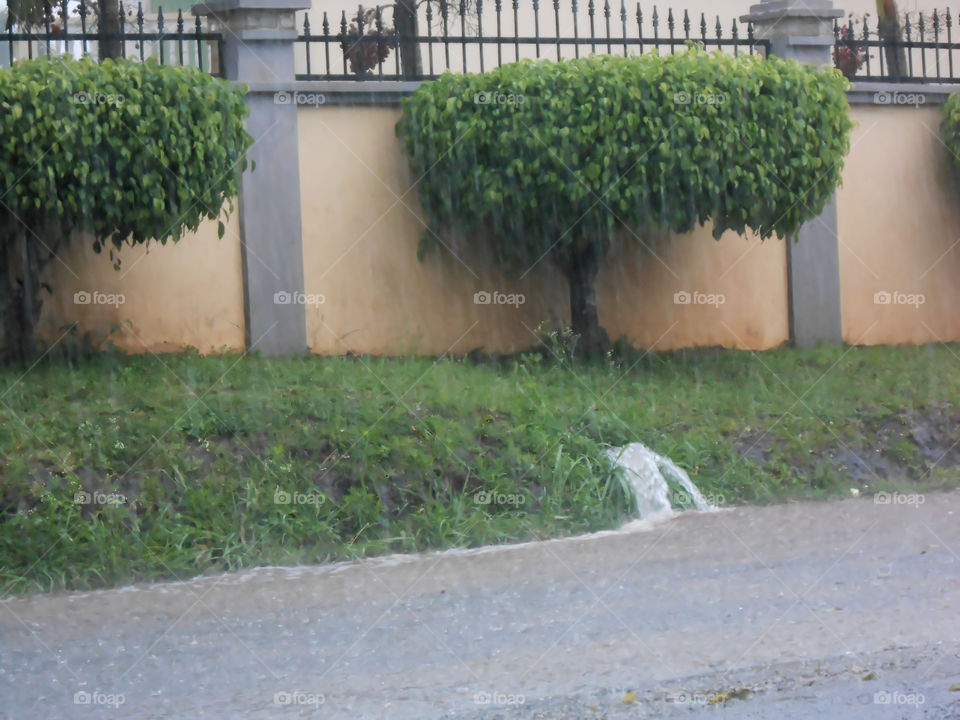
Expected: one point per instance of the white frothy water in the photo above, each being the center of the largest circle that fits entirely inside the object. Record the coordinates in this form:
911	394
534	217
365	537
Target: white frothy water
649	475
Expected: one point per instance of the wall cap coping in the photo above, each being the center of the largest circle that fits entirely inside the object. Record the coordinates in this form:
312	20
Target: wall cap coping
864	93
374	92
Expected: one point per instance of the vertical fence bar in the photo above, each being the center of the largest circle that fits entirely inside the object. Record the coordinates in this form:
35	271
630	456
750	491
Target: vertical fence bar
82	11
719	30
623	25
463	34
936	41
670	27
606	18
656	28
480	30
139	30
736	37
686	26
306	39
360	45
64	12
343	39
950	41
640	27
200	44
909	30
590	12
123	33
160	33
180	36
576	33
326	44
396	50
703	29
556	17
47	17
378	24
430	37
854	50
516	31
498	7
536	26
921	27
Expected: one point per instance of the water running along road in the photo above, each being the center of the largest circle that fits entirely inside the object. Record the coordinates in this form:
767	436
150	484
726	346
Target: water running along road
846	609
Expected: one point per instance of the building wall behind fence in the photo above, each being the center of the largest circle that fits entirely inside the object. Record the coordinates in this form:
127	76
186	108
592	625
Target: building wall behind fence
899	226
362	223
177	296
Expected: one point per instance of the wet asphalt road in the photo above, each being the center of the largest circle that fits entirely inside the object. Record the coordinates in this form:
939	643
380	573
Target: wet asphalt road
832	610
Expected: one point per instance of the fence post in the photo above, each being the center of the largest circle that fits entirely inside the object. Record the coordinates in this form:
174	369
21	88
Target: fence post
258	50
803	30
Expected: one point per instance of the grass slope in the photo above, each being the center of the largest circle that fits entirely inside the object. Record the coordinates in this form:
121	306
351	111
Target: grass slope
198	464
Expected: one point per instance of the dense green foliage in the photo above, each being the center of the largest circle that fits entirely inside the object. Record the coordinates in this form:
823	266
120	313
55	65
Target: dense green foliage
554	157
124	151
667	142
183	458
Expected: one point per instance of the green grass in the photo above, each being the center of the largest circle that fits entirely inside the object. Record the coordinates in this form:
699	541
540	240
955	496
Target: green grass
392	452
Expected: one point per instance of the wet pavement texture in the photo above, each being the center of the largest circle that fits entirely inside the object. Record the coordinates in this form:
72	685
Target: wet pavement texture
845	609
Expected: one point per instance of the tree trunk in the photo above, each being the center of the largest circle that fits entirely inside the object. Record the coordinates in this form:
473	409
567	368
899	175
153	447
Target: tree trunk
111	16
405	20
581	268
888	29
20	295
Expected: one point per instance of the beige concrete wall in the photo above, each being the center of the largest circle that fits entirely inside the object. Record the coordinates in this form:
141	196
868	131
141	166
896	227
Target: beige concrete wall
899	227
188	294
361	224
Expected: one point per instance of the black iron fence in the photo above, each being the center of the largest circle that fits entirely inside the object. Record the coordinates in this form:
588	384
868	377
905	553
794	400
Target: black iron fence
77	28
916	47
421	40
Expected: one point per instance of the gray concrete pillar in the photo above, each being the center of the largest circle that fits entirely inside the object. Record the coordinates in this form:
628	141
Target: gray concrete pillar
258	39
803	30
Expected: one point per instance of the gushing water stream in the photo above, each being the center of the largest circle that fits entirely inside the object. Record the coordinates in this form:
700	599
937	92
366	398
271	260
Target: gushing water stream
649	475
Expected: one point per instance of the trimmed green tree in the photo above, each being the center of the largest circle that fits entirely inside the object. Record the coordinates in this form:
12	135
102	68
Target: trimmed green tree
546	159
124	152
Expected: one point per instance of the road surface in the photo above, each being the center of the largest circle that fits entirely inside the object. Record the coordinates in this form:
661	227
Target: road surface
835	610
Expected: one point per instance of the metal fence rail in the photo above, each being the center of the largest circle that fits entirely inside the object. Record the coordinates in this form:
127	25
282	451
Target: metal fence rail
912	48
71	29
417	44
